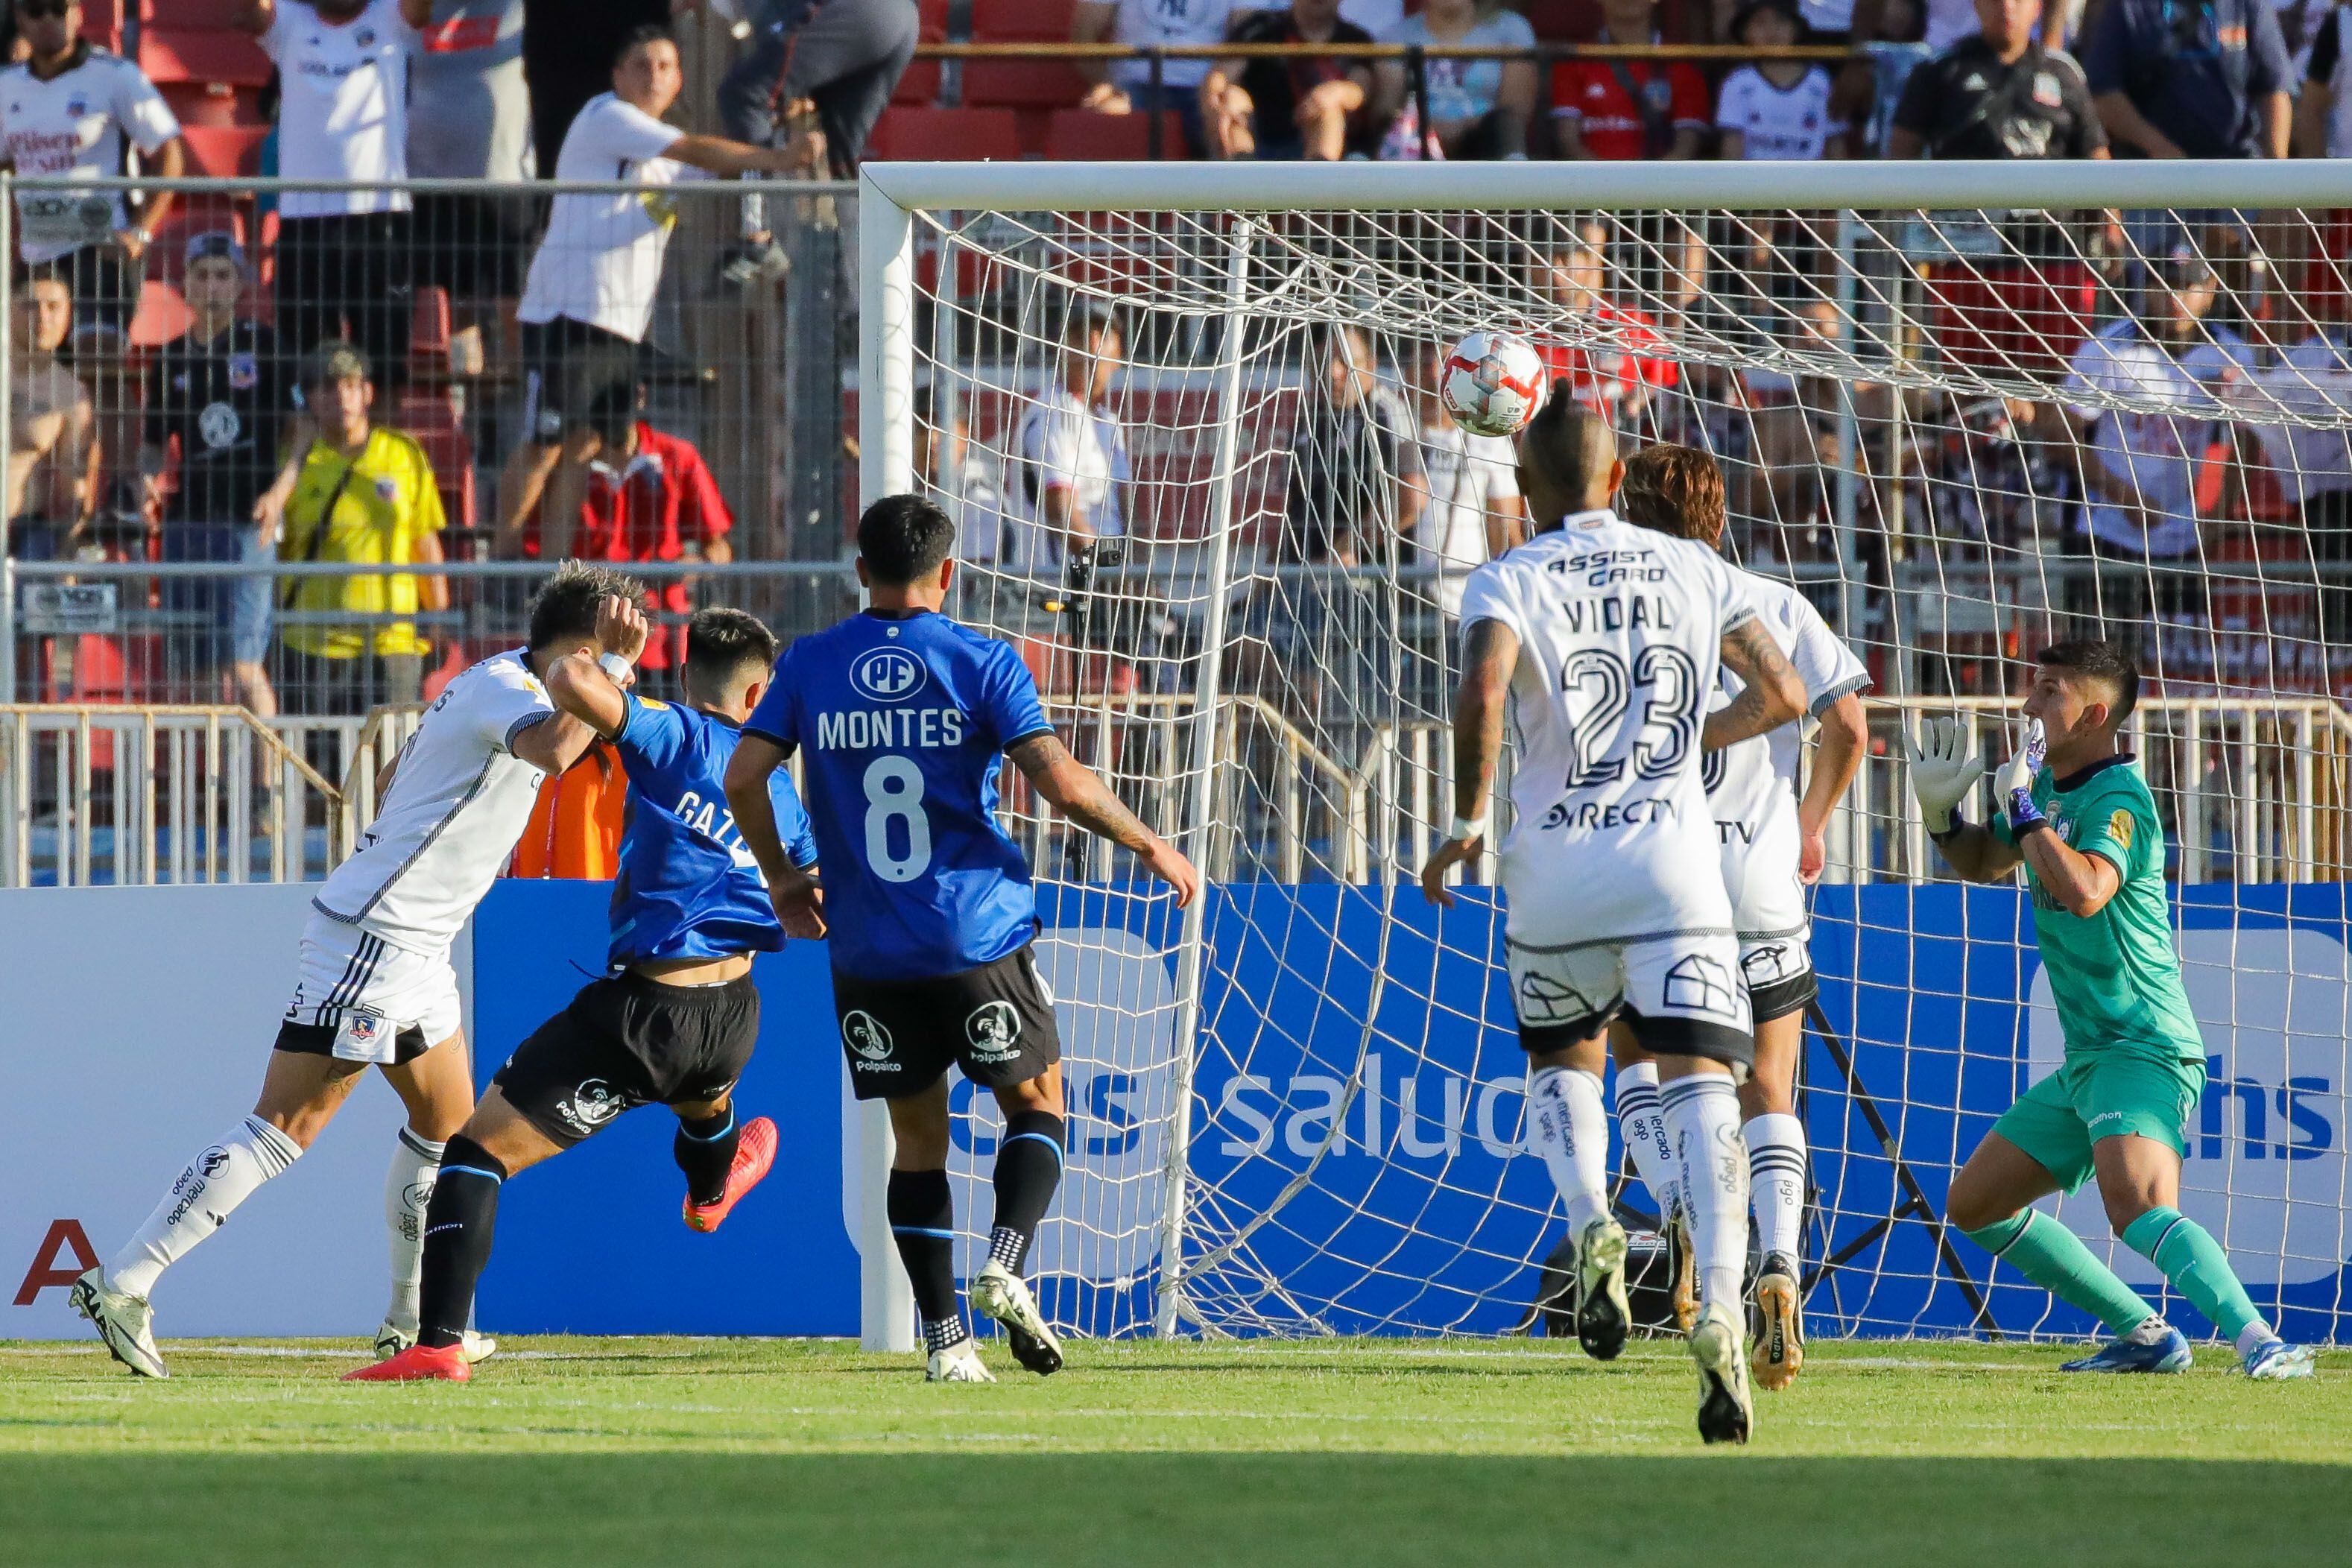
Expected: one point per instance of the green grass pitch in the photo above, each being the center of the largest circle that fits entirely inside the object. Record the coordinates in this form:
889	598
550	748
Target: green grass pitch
658	1451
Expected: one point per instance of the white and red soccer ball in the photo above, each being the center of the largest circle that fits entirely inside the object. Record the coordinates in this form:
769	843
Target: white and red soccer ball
1492	383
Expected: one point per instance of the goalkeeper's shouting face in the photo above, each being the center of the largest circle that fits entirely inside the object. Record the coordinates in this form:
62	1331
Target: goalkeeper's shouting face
2083	691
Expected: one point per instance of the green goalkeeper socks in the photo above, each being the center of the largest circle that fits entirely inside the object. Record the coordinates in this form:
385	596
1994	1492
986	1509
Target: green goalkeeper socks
2055	1259
2196	1265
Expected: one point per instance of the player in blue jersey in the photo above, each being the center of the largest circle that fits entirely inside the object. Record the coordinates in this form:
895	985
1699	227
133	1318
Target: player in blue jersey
904	718
675	1018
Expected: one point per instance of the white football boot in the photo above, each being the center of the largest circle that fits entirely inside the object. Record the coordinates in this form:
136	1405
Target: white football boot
1602	1318
959	1362
1719	1346
125	1322
392	1339
999	1293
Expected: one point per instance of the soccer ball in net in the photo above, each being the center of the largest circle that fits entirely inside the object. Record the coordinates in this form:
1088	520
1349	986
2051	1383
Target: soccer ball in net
1493	383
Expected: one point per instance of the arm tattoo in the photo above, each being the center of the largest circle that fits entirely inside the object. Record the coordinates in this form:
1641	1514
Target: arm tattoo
1745	714
1082	797
1488	656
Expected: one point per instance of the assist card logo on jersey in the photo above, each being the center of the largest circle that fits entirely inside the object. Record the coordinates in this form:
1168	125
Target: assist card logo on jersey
887	675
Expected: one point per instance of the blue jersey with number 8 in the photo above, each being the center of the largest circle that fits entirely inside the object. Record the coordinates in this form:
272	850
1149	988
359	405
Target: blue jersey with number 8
903	719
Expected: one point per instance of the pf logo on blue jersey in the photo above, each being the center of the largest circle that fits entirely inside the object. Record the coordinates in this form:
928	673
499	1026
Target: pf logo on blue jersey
888	674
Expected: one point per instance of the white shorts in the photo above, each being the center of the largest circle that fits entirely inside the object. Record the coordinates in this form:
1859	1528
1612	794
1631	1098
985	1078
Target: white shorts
361	999
1768	906
1680	991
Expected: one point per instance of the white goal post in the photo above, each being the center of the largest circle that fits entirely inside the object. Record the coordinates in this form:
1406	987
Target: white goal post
1934	388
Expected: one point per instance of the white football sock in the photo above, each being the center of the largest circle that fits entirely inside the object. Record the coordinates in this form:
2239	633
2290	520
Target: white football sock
1702	1115
1570	1130
408	1192
1643	1128
200	1200
1776	1175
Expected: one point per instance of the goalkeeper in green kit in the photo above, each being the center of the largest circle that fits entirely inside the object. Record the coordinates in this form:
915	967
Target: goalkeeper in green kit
2084	827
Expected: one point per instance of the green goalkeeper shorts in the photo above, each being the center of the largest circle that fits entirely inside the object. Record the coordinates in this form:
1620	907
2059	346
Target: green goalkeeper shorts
2104	1096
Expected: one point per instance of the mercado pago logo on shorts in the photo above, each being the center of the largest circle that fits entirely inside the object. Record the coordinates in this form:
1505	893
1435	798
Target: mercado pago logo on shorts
2266	1161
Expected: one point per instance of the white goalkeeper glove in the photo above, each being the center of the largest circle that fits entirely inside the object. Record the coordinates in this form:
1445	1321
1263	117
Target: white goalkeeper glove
1943	770
2016	782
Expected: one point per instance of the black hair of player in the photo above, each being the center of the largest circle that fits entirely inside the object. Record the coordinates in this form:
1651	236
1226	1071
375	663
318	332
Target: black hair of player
566	605
724	648
638	36
1085	320
902	539
1572	449
2111	663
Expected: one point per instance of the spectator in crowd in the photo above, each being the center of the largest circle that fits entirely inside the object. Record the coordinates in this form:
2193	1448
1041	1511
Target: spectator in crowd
818	75
52	436
2205	80
343	256
1777	108
1322	644
567	58
1472	510
1123	87
2323	110
1308	107
1355	466
2001	95
2137	464
1939	24
69	107
219	397
1073	480
1900	49
2311	458
1615	378
359	492
589	296
966	481
471	121
1478	109
1624	109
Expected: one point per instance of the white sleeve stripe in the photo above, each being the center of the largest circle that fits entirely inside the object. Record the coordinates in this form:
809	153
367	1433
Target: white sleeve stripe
1852	683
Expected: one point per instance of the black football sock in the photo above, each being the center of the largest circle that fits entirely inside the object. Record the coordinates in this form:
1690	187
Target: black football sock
1028	1170
705	1151
459	1223
922	1222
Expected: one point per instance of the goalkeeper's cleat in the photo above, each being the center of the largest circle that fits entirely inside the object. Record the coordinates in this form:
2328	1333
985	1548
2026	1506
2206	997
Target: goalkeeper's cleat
1779	1352
392	1339
417	1363
1683	1275
1602	1319
2276	1360
959	1362
126	1323
999	1293
1725	1414
755	1152
2155	1346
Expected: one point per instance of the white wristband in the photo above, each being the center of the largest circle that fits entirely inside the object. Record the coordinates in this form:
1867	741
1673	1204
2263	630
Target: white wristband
1465	828
619	668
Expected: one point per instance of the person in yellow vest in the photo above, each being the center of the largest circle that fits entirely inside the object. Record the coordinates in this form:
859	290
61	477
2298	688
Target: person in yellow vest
354	492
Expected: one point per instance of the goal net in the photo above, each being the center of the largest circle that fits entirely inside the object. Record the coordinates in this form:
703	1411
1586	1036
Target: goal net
1186	420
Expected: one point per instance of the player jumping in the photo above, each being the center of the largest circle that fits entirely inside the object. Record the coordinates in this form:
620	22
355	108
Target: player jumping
376	987
675	1018
2084	826
904	717
1608	639
1770	830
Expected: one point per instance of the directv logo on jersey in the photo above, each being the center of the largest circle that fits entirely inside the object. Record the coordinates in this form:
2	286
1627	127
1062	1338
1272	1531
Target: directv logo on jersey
887	675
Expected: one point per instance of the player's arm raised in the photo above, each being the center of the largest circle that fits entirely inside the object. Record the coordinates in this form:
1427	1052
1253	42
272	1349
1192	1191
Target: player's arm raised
560	738
578	686
2081	883
1085	800
1490	651
1944	770
800	903
1837	757
1772	696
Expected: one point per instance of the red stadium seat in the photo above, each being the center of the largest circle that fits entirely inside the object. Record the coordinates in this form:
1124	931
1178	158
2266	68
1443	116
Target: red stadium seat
163	315
1565	21
220	15
428	416
1081	134
225	152
202	54
211	104
430	325
1021	84
965	135
1003	21
919	87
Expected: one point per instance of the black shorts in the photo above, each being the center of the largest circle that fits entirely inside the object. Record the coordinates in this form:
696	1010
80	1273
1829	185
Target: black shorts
577	376
627	1041
473	246
319	1040
996	1023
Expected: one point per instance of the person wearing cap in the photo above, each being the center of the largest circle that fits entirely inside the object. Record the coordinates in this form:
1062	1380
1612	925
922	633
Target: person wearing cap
358	493
1999	94
217	399
2160	377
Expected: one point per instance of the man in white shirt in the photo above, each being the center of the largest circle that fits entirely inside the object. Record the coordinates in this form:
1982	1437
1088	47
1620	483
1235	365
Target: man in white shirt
376	988
70	108
343	256
1124	86
590	294
1472	511
1071	475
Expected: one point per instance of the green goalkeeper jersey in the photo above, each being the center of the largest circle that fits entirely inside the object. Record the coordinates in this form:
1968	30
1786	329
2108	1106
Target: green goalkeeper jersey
2114	976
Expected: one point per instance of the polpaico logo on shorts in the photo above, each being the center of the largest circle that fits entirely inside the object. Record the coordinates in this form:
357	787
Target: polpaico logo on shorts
863	1032
994	1030
590	1106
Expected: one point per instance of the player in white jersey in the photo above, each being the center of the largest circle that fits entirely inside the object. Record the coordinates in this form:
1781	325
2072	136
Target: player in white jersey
1608	639
1771	837
376	987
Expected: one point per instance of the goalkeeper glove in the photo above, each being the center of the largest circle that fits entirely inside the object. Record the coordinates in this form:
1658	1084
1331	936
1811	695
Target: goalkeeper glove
2016	784
1942	771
